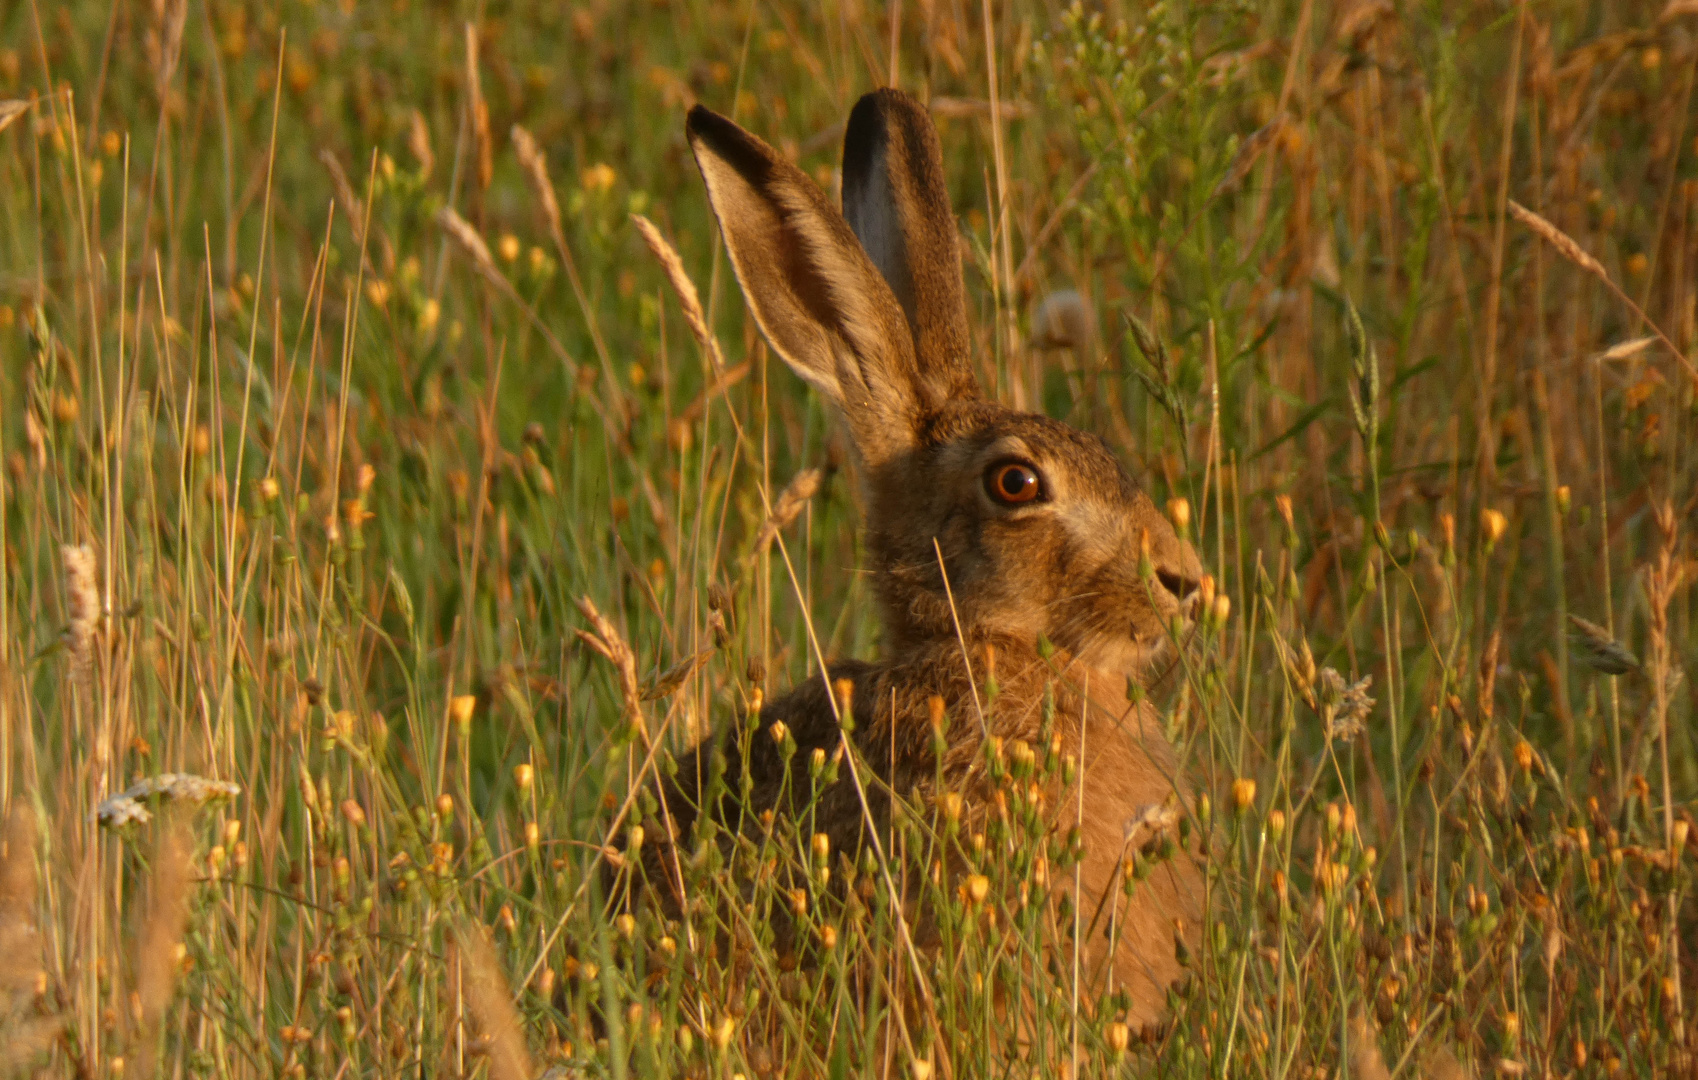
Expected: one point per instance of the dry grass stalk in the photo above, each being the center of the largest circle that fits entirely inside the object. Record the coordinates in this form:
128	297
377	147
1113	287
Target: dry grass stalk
351	204
1663	580
787	508
1599	649
172	15
10	111
535	163
606	640
338	180
492	1006
462	233
695	410
467	239
1571	250
957	108
418	141
1623	350
1251	150
479	108
82	604
1489	675
1565	244
688	299
672	678
157	956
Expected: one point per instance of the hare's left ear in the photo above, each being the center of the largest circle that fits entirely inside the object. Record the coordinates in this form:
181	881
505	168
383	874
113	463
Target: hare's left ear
818	298
895	198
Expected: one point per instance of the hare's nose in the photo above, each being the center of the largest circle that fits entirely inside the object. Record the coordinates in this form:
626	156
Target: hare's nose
1180	584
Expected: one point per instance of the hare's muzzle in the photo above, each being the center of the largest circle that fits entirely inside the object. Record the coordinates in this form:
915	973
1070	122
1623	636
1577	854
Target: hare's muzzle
1181	585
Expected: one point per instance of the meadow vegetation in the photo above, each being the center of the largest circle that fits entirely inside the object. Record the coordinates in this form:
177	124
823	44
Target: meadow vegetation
361	458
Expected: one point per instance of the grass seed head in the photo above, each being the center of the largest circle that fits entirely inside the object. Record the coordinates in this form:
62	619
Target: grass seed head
418	143
535	164
1598	649
82	601
788	507
1566	245
469	241
689	301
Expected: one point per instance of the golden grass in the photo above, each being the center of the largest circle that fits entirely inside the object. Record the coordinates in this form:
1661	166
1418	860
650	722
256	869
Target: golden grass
359	462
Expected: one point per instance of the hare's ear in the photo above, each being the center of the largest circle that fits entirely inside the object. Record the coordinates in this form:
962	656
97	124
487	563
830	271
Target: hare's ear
895	199
817	297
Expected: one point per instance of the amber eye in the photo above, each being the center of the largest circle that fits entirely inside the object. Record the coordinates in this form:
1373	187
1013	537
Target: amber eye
1013	482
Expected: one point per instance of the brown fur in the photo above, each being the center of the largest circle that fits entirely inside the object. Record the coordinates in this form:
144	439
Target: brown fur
874	317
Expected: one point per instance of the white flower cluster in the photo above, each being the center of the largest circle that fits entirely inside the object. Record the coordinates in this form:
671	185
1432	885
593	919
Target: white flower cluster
131	805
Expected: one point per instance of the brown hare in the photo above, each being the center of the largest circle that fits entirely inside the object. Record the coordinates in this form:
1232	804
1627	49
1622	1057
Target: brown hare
990	533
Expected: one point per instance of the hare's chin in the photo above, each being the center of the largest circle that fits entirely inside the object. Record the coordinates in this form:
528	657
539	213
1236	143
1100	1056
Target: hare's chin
1141	657
1125	656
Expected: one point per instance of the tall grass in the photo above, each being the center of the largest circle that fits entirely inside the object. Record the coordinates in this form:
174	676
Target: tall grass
357	452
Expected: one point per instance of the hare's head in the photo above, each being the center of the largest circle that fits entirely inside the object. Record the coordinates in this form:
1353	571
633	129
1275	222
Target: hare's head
1028	526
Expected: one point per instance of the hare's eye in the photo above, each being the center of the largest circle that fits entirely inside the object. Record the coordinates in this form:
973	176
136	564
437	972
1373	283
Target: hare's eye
1013	482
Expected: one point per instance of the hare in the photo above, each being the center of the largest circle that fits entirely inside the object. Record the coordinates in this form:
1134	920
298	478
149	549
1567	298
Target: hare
991	534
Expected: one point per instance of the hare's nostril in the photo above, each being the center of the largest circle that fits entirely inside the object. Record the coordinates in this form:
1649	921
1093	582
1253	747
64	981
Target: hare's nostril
1178	584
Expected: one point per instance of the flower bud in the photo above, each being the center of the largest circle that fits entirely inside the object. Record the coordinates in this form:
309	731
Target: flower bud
1179	511
1492	525
1222	610
977	887
1119	1037
460	709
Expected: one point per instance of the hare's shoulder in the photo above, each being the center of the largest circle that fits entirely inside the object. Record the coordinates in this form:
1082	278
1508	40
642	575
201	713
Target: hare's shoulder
807	709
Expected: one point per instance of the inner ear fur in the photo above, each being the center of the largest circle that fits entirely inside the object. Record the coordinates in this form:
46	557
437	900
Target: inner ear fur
819	300
896	200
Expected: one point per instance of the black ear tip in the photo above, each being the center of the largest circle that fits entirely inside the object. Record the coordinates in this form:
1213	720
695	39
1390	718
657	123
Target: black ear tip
704	125
703	120
889	104
878	117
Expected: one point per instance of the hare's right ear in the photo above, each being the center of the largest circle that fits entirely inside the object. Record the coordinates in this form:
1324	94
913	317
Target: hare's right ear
811	287
895	198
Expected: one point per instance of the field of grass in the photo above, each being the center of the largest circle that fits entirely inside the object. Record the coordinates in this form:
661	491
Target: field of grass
355	451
